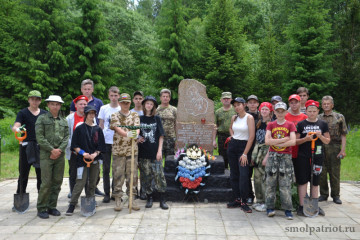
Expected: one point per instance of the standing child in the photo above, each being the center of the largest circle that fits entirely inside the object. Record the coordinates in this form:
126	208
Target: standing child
303	166
259	154
150	152
280	135
88	142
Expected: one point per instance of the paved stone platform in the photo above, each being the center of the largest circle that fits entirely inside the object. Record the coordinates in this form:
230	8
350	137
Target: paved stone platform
183	221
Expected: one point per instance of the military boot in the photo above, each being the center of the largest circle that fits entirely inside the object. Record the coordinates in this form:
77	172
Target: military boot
163	204
149	201
134	206
118	204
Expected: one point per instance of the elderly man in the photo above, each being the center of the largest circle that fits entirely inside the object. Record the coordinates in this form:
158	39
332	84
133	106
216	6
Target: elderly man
334	151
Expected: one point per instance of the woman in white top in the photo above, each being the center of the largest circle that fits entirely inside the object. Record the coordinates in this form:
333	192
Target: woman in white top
242	132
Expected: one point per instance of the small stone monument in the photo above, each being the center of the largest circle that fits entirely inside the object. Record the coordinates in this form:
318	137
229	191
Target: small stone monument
195	116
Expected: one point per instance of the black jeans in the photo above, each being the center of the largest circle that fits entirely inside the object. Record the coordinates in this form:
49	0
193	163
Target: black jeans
106	168
24	169
72	171
239	175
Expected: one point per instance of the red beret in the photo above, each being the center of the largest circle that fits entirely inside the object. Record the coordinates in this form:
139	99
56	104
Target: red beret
266	104
295	96
312	103
81	97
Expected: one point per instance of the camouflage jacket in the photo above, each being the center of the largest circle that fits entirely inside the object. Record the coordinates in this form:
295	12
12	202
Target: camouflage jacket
223	119
337	126
122	145
168	119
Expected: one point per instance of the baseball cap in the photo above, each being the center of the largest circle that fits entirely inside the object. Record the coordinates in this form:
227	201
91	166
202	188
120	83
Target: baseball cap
165	90
266	104
238	99
226	95
280	105
34	93
54	98
276	98
295	96
125	97
312	103
252	97
138	93
150	98
89	108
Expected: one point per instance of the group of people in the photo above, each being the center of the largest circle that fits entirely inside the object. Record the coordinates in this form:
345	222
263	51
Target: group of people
267	140
96	133
273	142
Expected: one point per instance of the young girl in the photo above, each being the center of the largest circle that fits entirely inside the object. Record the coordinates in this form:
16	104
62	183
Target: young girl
242	132
150	152
259	154
88	142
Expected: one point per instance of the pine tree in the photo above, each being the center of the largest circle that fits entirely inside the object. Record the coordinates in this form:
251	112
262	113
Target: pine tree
309	50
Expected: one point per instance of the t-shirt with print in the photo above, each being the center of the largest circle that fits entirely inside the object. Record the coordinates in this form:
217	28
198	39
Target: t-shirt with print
105	114
148	149
260	133
303	128
122	145
29	119
280	131
295	119
168	119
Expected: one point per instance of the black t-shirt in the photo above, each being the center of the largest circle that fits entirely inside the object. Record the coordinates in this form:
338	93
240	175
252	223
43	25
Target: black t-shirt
255	115
148	149
260	133
27	118
303	128
88	138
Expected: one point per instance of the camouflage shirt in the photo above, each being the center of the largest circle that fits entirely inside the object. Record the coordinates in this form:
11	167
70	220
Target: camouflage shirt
337	126
122	145
168	119
223	119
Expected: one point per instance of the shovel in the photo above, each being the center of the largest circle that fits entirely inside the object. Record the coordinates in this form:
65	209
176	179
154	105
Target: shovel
88	205
311	207
21	200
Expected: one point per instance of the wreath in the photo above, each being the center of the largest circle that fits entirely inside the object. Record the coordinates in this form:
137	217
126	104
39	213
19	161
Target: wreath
193	167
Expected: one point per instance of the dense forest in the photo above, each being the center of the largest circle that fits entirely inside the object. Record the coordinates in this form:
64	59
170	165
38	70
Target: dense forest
262	47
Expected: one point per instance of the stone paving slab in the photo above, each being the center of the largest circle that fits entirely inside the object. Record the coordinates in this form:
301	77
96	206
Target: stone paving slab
183	221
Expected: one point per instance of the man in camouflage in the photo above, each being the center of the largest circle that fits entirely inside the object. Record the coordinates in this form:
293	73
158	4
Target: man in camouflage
222	120
121	149
334	151
167	114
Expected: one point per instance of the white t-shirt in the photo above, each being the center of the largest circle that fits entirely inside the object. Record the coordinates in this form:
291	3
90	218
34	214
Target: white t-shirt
105	114
140	113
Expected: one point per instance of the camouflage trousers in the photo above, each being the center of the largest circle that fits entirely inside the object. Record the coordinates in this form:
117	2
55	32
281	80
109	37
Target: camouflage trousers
150	170
168	146
331	166
258	155
279	170
122	171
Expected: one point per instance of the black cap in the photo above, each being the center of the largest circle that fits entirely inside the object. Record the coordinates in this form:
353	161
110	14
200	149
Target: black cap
150	98
89	108
239	100
138	93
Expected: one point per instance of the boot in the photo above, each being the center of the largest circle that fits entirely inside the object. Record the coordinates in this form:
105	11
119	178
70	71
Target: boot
149	201
142	194
134	206
163	204
118	204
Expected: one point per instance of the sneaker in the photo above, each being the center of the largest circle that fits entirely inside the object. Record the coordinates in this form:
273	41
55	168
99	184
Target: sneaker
270	212
300	211
250	201
255	205
321	212
106	199
43	215
322	198
70	210
54	212
288	215
246	208
99	193
337	200
69	195
261	208
234	204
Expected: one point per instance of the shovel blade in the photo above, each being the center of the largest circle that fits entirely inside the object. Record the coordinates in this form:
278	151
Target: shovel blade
88	206
21	202
311	207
